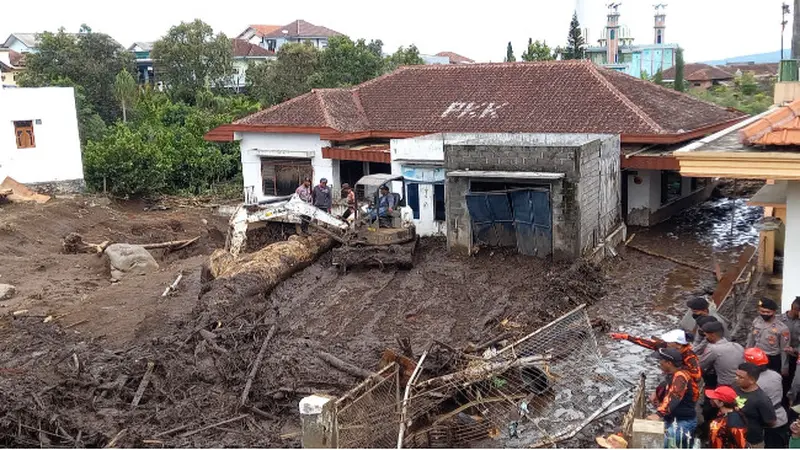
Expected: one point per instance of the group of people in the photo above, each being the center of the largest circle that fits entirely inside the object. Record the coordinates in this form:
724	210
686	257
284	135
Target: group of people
721	393
321	196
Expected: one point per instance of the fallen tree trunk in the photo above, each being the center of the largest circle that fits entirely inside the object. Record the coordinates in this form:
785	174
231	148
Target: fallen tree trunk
229	279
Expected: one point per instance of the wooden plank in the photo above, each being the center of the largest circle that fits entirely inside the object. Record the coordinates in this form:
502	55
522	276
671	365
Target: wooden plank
725	286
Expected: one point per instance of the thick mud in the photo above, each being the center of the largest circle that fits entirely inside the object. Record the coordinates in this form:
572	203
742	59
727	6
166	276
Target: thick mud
71	381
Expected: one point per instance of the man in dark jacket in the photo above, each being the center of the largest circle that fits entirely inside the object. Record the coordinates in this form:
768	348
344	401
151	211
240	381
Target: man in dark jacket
323	199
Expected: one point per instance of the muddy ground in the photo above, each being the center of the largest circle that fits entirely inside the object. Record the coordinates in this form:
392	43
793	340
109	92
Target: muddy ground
71	382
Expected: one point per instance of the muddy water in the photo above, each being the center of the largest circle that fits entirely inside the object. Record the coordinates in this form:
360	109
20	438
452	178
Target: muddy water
649	296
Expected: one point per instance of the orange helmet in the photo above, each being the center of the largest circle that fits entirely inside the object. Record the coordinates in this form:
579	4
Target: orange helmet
756	356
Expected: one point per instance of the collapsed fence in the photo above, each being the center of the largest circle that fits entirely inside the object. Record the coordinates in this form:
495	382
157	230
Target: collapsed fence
539	390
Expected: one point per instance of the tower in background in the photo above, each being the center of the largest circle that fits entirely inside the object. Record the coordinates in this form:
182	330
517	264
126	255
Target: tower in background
612	33
660	23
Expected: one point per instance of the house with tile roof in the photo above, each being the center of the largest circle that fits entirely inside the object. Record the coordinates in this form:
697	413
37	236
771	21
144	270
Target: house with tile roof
245	54
701	76
22	42
455	58
342	134
272	37
11	65
145	74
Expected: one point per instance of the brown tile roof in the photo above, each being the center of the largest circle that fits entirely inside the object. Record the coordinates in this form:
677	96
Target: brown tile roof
765	69
780	127
244	49
16	59
550	97
262	30
455	58
700	72
301	28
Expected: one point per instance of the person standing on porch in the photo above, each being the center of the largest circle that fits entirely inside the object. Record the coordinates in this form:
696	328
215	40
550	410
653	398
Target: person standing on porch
323	199
771	335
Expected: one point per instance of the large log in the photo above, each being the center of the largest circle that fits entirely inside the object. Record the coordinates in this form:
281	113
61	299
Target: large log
229	279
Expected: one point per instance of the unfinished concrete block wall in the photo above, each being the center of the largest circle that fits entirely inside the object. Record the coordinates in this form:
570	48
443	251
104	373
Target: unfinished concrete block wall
564	202
599	191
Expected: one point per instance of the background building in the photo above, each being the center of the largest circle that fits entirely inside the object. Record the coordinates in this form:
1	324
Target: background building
617	51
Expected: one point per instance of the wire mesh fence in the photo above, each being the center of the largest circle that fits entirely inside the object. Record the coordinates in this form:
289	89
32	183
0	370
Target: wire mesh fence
541	389
369	416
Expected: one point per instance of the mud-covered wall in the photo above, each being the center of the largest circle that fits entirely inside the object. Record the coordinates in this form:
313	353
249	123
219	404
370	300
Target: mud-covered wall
564	198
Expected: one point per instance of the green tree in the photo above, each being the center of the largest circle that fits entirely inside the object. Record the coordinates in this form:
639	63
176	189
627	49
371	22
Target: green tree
746	83
404	56
510	54
658	78
537	51
190	58
575	41
346	63
126	91
679	84
292	73
89	60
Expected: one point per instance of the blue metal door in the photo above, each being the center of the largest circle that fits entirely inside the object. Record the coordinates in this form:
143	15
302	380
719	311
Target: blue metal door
492	219
532	221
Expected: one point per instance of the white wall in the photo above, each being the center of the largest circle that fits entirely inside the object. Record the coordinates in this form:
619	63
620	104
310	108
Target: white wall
57	154
643	198
254	146
427	157
791	249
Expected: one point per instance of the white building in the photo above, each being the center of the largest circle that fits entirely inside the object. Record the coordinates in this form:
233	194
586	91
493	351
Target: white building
39	141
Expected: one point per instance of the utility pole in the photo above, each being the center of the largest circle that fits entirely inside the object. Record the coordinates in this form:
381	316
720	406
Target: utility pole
784	12
796	30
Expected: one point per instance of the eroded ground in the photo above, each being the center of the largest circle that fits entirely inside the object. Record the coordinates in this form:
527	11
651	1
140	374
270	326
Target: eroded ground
72	381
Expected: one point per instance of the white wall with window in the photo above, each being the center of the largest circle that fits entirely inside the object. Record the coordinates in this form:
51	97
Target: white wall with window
39	140
273	164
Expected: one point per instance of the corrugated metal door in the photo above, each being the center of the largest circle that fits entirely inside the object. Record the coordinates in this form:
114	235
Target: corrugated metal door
492	219
532	221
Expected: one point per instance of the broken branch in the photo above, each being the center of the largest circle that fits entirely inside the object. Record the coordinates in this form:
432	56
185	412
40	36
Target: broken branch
208	427
175	245
671	259
482	371
113	442
143	385
172	287
344	366
256	364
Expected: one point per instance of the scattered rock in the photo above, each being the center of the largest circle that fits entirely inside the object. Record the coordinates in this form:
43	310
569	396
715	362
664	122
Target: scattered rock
129	259
7	291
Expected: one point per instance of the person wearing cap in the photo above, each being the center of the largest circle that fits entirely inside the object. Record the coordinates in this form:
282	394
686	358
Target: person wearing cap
754	404
350	196
699	341
322	197
721	355
771	335
729	428
721	358
672	339
699	307
678	404
776	436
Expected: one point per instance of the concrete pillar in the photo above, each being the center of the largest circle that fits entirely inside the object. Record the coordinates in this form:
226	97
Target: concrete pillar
647	434
791	249
318	418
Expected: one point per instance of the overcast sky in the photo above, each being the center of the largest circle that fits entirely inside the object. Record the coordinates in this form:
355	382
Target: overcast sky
707	29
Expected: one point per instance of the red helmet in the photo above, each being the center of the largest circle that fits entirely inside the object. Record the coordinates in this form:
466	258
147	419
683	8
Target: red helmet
756	356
